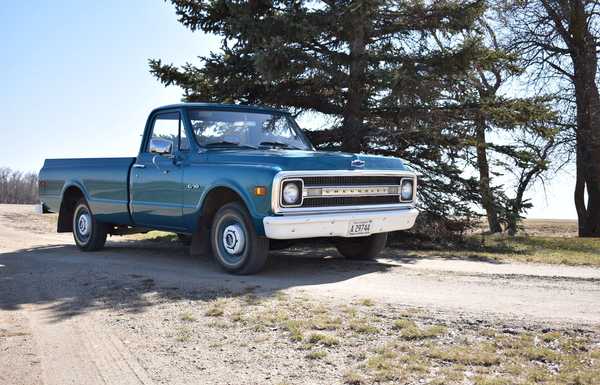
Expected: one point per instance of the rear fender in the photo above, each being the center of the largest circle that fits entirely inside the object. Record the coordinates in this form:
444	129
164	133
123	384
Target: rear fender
71	193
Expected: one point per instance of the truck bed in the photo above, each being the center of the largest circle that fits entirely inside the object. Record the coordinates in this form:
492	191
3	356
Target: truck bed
105	182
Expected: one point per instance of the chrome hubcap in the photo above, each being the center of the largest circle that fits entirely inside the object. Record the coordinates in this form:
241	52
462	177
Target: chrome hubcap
84	224
234	239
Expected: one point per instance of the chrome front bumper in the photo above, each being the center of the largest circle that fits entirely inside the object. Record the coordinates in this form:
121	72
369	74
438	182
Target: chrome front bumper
337	225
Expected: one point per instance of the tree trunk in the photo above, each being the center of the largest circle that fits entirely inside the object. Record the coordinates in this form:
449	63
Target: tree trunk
588	157
353	131
587	99
487	196
580	192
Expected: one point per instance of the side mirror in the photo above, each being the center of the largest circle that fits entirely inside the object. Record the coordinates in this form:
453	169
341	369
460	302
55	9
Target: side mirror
161	146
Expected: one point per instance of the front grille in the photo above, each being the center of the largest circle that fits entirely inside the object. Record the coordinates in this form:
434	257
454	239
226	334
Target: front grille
349	201
345	190
365	180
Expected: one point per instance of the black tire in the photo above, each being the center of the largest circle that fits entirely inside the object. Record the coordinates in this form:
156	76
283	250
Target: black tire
184	238
234	242
89	234
362	248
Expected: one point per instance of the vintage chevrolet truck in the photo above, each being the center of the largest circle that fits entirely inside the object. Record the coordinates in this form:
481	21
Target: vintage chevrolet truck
236	180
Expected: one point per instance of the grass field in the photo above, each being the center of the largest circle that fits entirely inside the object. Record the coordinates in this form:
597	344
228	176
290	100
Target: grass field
537	249
542	241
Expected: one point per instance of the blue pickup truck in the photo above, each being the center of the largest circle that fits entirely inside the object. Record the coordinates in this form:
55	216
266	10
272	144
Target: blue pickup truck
235	180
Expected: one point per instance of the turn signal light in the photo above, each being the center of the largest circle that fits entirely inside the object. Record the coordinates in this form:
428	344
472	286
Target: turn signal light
260	191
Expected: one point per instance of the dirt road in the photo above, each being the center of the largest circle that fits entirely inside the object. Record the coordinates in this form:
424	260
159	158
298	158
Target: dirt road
53	298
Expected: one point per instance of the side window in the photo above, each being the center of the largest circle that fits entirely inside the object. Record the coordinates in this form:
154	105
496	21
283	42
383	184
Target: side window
166	126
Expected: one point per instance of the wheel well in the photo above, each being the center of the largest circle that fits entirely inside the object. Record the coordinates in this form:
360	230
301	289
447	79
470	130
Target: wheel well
214	200
67	207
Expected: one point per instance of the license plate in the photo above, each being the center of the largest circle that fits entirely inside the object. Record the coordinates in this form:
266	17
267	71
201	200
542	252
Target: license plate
359	228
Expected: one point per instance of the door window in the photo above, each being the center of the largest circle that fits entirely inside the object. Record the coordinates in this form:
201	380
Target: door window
168	126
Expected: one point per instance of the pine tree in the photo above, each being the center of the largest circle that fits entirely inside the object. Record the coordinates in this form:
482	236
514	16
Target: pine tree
370	64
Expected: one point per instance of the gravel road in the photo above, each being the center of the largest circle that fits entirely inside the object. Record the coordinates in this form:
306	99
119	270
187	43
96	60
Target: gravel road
53	298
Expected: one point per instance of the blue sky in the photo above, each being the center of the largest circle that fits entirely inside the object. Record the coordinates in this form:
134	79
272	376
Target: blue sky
75	78
75	82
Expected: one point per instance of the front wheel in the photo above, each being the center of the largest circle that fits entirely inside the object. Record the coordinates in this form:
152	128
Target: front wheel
235	244
363	247
89	234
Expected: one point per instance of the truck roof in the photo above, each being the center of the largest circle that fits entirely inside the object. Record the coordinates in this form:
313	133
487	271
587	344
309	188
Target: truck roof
223	106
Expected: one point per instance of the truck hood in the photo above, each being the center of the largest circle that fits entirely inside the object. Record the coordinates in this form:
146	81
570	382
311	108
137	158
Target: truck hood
294	160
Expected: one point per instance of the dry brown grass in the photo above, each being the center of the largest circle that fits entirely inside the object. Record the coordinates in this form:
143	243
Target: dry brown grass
381	344
542	227
413	346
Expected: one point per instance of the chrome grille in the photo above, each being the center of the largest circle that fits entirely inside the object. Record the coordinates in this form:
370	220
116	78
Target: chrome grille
341	190
350	201
366	180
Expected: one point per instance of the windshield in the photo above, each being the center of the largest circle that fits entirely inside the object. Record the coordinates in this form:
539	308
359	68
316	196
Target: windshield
246	129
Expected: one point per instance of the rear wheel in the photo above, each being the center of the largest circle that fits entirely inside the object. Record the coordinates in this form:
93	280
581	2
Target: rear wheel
235	244
363	247
89	234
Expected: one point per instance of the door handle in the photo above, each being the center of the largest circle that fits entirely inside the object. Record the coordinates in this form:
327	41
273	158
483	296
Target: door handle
137	165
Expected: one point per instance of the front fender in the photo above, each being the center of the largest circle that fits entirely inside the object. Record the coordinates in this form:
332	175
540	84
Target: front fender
232	185
241	179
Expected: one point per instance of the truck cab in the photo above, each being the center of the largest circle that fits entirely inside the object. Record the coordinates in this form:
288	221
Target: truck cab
237	180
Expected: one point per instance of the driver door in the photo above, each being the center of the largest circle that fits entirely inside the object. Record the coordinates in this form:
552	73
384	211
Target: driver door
157	175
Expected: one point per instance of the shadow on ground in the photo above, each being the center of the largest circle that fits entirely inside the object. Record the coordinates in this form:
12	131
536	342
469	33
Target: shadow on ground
69	282
412	257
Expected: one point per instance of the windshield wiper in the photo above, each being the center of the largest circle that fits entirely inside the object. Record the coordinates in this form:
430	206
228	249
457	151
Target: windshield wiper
279	144
226	143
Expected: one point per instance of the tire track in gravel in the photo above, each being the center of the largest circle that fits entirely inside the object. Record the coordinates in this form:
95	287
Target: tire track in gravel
79	350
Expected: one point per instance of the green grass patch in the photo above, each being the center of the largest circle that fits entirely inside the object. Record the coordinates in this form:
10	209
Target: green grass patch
316	355
384	365
488	380
352	377
410	331
188	317
362	326
325	322
366	302
295	328
466	355
416	333
323	339
214	311
538	249
403	323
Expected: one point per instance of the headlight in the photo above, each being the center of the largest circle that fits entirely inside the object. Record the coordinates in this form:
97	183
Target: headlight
406	191
291	193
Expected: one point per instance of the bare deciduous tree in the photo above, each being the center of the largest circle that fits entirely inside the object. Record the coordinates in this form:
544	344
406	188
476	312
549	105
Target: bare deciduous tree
560	40
18	187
